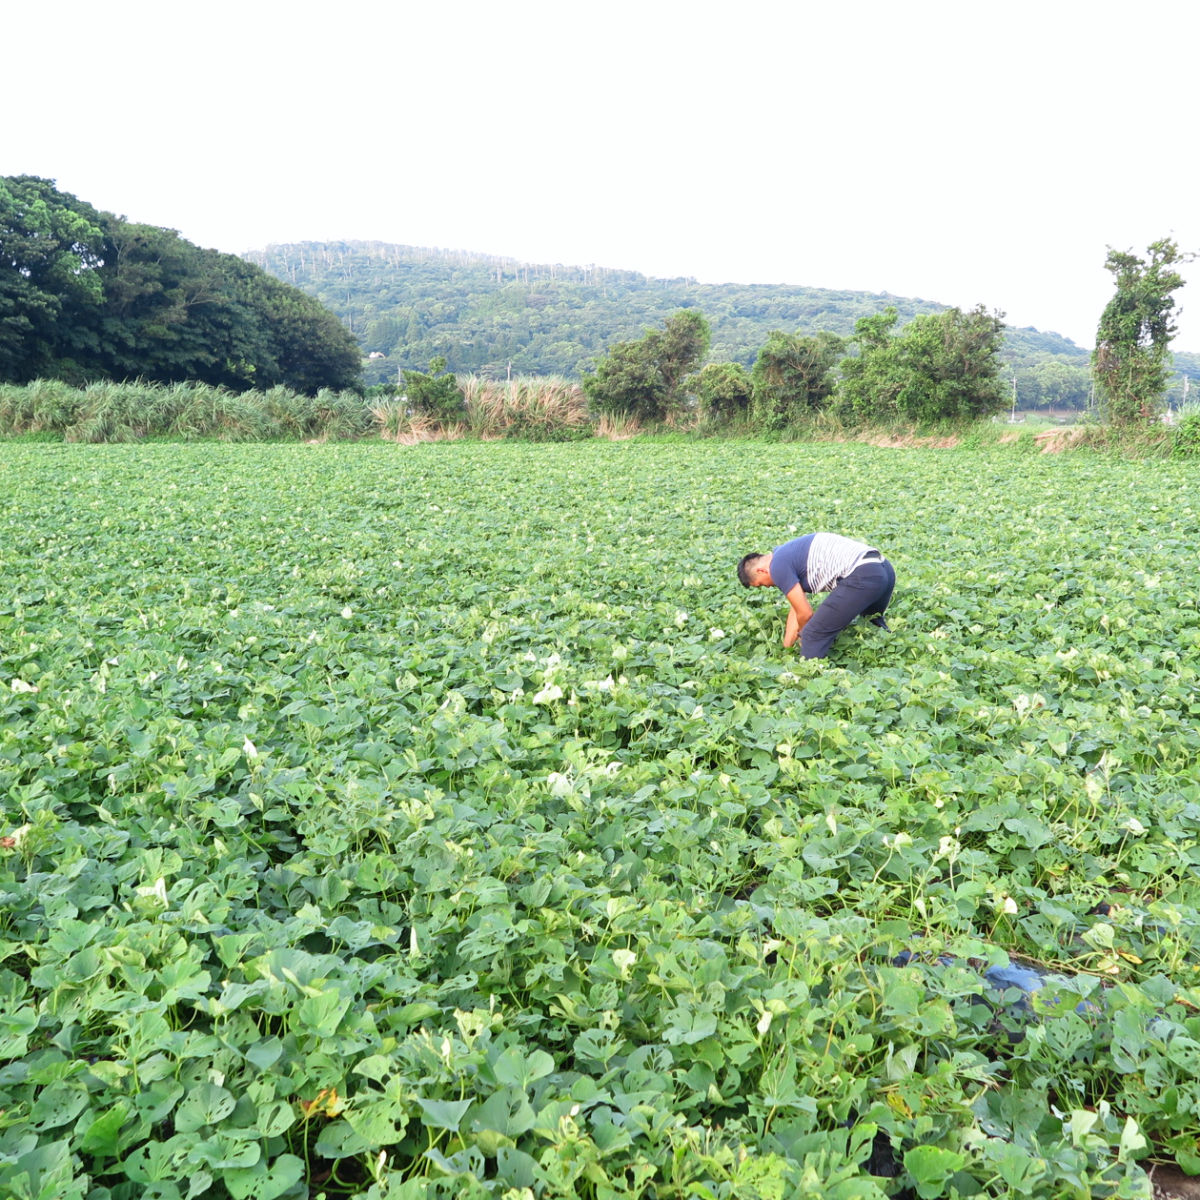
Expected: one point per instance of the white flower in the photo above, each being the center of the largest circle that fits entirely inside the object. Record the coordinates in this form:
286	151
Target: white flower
1134	826
948	847
715	635
624	961
559	784
347	612
156	892
549	693
19	685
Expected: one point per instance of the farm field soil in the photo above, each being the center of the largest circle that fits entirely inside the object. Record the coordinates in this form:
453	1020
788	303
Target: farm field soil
446	821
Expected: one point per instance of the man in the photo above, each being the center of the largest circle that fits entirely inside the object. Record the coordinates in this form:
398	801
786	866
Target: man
857	577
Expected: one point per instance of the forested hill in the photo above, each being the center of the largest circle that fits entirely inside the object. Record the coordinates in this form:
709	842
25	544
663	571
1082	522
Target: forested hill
491	315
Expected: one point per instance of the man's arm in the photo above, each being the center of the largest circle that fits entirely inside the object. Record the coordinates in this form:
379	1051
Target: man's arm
799	612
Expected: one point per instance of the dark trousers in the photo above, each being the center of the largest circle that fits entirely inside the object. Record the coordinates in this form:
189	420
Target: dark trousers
867	589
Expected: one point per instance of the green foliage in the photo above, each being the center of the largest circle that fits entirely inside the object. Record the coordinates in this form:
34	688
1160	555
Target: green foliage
723	393
793	378
335	863
497	317
51	249
87	296
1054	384
943	366
435	394
1133	339
131	412
533	409
645	379
1186	436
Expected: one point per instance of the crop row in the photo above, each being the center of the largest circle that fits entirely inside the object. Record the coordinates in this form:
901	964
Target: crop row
447	821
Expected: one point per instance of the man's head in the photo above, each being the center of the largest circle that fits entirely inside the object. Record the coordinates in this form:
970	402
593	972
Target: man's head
754	570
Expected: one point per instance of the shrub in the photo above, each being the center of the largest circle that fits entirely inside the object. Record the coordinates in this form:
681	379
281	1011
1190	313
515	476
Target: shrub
944	366
723	391
645	379
435	393
793	378
1185	440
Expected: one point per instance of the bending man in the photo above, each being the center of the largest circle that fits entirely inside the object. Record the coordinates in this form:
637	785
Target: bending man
857	577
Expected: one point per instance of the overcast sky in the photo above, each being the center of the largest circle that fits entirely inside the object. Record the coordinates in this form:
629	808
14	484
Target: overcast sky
955	151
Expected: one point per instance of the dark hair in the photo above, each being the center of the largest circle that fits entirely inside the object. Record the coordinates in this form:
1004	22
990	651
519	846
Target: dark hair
743	573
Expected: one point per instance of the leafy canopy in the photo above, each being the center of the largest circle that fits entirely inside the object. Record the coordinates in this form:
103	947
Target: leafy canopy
51	246
434	393
723	391
645	379
1133	339
793	377
87	296
943	366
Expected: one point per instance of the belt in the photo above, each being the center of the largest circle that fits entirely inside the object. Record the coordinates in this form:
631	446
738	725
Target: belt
870	556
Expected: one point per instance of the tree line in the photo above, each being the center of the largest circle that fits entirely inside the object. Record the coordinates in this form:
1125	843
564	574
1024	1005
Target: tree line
498	317
943	366
88	296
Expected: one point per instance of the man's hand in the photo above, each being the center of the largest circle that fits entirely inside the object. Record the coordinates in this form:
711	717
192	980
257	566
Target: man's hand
792	632
799	613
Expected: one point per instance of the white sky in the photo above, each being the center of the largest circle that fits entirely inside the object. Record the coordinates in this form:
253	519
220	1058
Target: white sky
953	150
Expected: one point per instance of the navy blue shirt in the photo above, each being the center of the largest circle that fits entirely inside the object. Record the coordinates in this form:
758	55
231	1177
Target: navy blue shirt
817	561
789	563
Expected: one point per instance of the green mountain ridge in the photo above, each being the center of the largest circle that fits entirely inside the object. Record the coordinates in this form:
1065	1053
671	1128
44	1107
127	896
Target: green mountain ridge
494	315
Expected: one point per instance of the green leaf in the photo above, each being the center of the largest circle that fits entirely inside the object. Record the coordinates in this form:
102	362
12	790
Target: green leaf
518	1068
102	1136
322	1014
443	1114
415	1013
205	1104
264	1181
223	1150
275	1117
58	1104
264	1054
930	1167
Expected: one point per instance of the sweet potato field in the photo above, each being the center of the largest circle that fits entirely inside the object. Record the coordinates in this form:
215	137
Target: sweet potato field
446	821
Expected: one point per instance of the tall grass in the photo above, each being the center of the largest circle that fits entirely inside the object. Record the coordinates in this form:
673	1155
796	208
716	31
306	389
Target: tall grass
534	408
395	422
44	406
130	412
